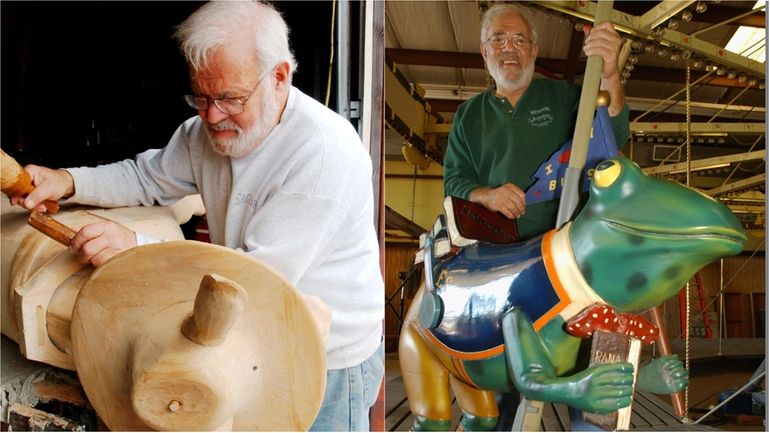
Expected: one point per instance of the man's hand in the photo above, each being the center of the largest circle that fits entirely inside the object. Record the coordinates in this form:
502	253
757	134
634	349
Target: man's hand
507	199
98	242
49	185
605	42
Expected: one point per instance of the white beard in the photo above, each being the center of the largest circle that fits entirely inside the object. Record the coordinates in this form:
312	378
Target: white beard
504	84
245	142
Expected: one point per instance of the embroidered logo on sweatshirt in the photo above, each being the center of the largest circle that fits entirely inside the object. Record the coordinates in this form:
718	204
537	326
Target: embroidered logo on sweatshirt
247	200
541	117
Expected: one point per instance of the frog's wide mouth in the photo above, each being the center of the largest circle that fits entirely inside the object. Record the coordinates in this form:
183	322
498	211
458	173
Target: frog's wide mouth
704	233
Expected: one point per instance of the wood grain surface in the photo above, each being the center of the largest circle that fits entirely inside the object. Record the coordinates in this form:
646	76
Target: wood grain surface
269	373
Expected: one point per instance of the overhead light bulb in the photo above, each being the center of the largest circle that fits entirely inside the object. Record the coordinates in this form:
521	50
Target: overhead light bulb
700	7
686	15
649	48
673	23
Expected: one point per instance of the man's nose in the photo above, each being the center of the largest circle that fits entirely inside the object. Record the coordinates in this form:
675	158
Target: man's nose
212	114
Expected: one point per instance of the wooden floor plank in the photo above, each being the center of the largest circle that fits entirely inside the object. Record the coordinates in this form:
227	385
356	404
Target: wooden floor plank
562	412
650	417
550	421
637	419
661	413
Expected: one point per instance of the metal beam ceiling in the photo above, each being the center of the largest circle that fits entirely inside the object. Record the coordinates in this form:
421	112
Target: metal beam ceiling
706	162
635	26
738	185
660	13
568	69
697	128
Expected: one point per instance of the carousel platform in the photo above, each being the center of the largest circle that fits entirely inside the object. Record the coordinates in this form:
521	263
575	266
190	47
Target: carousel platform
650	412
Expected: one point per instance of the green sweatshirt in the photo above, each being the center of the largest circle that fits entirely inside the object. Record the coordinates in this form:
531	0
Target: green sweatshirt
492	143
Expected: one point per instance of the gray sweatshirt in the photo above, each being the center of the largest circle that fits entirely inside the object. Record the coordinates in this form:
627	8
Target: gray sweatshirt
301	202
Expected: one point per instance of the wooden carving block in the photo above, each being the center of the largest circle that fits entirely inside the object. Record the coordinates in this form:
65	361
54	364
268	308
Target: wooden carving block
41	278
141	370
174	336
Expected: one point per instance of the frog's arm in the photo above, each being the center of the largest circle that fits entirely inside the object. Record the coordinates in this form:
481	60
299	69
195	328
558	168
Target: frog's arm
600	389
664	375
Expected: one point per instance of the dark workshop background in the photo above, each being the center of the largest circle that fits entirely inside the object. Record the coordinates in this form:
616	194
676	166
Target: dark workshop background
85	83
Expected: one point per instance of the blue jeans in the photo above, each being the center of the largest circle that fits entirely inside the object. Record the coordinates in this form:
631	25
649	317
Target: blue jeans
350	392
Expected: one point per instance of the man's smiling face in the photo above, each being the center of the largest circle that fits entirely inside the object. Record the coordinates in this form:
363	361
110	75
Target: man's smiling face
512	66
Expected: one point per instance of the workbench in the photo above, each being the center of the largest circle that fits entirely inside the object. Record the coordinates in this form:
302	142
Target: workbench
38	397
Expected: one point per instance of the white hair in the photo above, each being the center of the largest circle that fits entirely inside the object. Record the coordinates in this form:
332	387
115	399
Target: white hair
220	22
499	9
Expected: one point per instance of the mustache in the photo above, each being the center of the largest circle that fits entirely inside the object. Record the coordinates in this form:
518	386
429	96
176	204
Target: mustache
506	57
223	125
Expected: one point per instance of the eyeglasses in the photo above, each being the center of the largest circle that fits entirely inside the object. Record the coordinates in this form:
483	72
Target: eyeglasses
500	41
229	106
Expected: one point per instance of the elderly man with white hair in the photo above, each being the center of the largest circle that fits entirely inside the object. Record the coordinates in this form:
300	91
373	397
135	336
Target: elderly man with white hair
500	137
283	179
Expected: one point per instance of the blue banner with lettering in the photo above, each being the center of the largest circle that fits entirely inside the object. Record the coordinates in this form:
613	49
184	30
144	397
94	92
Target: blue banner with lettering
549	177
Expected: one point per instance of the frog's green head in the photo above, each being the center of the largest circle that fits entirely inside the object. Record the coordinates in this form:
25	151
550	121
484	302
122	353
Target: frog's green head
639	239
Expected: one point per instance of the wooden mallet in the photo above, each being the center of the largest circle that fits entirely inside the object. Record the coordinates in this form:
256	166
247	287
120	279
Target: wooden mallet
15	181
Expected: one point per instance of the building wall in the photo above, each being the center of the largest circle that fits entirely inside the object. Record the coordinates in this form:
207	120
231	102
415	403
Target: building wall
414	193
398	260
745	282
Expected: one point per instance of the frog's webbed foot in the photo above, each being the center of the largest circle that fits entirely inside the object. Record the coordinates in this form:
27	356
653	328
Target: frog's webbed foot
664	375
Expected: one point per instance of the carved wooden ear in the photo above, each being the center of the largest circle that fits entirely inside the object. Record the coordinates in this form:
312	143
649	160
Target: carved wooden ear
218	305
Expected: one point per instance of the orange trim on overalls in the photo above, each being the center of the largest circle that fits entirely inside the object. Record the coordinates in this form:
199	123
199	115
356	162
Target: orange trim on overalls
550	268
459	365
471	356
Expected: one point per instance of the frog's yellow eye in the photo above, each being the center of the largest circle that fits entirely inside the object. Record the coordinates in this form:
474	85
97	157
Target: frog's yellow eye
606	173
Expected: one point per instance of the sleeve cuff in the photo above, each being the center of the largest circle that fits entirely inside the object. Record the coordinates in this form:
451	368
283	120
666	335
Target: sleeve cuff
142	239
